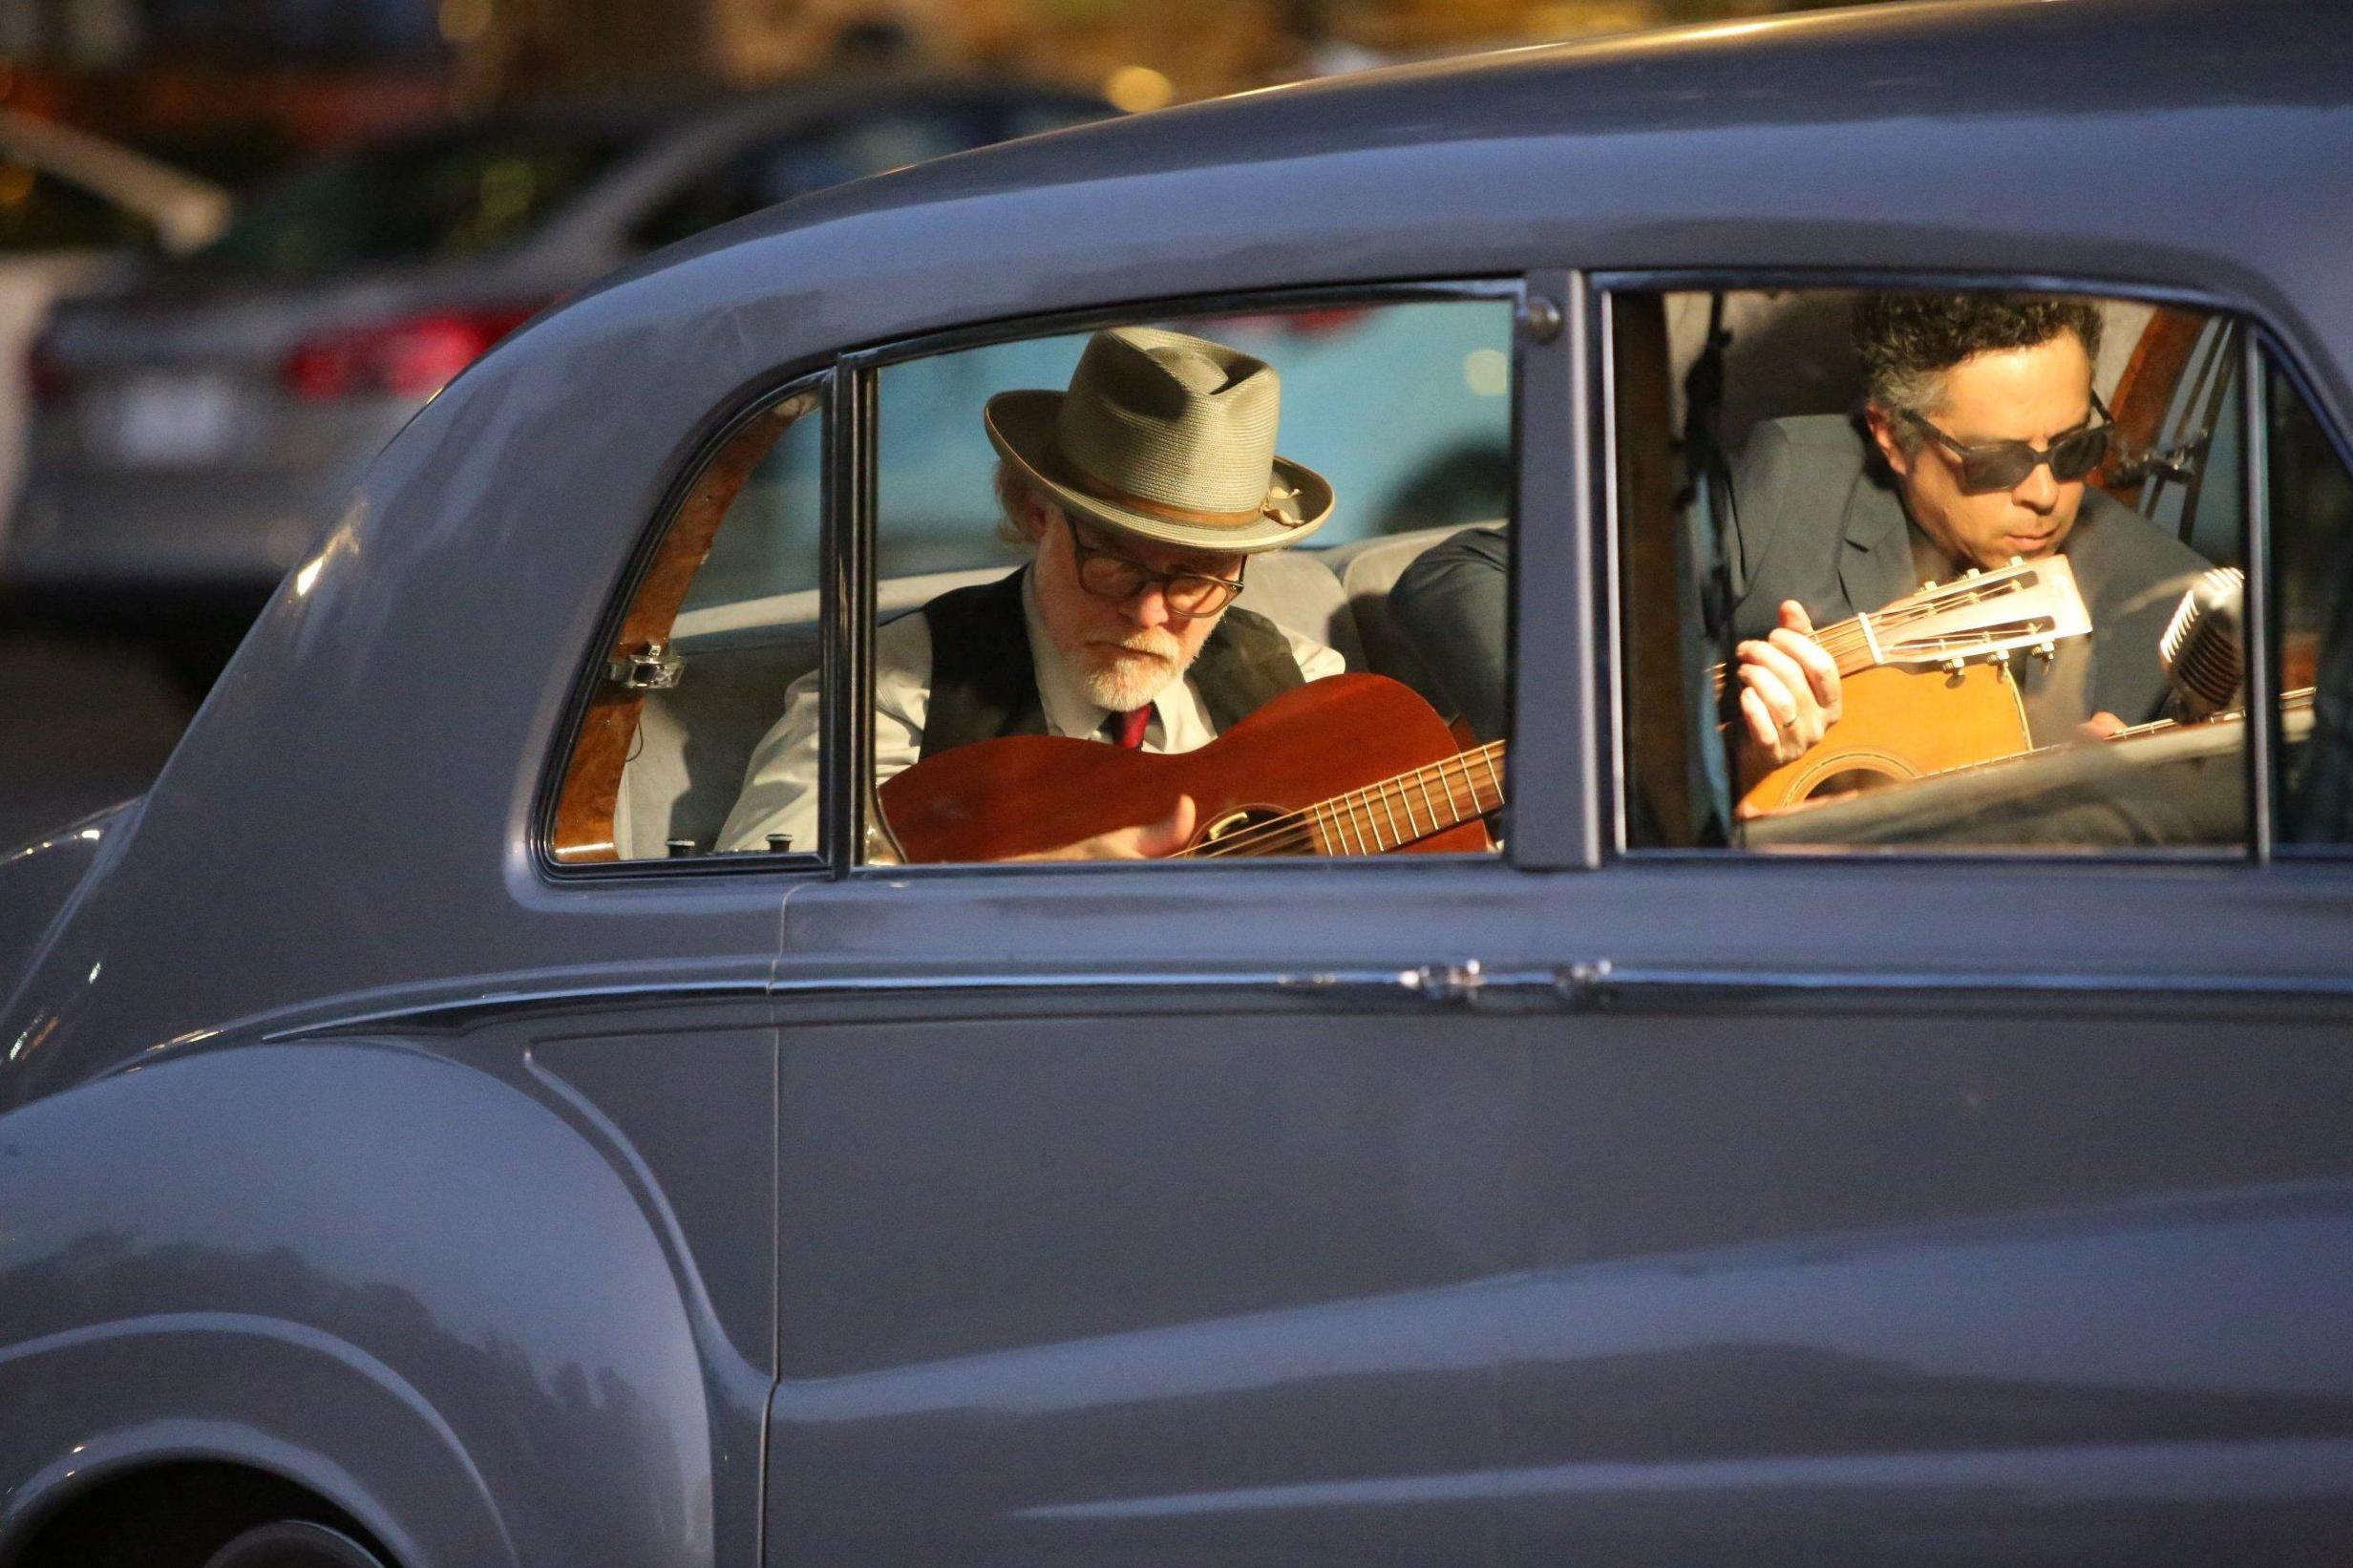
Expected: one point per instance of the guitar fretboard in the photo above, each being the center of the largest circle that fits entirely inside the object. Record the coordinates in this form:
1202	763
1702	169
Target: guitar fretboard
1381	817
1857	642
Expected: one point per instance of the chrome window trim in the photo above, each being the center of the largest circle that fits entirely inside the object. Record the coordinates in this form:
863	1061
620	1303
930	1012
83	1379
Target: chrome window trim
1606	282
467	1011
1597	985
2280	360
2257	630
846	698
1609	646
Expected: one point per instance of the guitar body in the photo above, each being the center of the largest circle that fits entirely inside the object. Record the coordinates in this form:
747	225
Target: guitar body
1902	724
1020	795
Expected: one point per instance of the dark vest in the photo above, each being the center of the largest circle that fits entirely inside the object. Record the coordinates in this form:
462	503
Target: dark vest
982	683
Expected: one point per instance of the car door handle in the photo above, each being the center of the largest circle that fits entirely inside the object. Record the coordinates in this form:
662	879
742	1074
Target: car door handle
1470	983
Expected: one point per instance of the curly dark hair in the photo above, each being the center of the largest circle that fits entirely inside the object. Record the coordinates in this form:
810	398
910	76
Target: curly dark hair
1908	339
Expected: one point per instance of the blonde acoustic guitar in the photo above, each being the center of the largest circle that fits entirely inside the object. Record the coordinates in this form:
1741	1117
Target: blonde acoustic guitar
1926	681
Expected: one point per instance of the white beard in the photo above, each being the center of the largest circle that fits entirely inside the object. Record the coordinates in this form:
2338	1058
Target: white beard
1121	684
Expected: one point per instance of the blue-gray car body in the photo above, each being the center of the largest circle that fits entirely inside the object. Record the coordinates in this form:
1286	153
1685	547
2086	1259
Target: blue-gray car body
1567	1205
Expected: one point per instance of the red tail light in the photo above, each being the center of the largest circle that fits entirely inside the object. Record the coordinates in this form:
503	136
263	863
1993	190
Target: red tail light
411	358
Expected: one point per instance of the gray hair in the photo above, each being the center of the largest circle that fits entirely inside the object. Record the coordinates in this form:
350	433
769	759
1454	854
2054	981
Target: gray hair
1015	490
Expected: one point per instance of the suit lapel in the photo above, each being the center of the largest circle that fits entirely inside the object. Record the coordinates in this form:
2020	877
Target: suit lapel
1874	563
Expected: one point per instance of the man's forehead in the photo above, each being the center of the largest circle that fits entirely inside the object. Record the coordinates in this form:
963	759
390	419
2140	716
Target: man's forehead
2019	393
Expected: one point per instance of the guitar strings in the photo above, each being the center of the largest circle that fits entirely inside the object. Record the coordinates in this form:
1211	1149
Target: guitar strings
1295	831
1298	828
1351	815
1848	637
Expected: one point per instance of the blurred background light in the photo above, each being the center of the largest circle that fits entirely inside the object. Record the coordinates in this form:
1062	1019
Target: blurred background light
464	22
1136	88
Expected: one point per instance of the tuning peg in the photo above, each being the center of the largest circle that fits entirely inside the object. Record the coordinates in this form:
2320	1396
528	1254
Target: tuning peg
1956	664
1973	572
2018	560
2046	649
1930	583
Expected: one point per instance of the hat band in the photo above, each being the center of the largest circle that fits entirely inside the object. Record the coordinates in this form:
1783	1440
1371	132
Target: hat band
1079	478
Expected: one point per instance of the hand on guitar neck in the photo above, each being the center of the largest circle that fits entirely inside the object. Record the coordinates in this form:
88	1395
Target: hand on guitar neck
1790	694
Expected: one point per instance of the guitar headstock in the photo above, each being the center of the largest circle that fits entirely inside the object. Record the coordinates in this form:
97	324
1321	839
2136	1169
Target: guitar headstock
2026	605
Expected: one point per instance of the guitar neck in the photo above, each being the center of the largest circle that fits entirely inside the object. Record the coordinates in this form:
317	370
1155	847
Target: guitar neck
1379	817
1399	811
2028	603
1849	642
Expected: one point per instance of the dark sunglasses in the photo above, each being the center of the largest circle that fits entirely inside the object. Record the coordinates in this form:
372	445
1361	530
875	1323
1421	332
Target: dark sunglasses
1989	466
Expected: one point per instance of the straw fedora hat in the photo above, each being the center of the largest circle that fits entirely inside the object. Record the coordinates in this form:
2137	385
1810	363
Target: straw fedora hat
1168	437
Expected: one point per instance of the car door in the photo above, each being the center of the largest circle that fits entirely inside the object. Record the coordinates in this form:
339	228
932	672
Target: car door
1160	1211
1911	1192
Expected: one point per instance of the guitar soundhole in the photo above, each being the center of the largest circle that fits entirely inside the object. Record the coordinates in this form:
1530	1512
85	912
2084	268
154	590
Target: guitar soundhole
1851	781
1248	830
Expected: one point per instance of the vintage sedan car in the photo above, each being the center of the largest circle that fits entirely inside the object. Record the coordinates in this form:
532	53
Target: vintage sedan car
433	1135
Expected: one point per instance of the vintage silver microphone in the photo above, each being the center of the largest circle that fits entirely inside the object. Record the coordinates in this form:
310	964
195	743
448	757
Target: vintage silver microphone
2202	649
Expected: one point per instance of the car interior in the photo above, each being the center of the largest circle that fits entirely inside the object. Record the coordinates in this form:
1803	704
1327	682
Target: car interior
1733	361
727	619
728	616
696	738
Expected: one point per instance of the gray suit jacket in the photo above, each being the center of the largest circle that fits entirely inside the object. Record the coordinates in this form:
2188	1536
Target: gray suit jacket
1820	524
1817	522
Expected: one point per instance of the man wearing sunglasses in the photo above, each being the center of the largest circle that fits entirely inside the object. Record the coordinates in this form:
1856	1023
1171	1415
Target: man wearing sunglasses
1141	492
1980	432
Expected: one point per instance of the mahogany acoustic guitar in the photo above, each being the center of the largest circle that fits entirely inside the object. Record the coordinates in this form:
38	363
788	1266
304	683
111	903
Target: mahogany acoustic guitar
1349	765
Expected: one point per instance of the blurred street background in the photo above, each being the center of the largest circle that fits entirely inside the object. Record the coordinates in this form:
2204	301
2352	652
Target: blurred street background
241	240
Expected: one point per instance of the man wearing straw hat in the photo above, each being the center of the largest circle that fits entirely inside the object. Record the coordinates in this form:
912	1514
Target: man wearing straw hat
1143	492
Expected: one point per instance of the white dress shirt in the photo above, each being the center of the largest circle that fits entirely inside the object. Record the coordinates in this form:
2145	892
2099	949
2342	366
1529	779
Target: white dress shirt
780	785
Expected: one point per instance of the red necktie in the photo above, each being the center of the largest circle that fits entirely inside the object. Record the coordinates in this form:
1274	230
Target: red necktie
1131	727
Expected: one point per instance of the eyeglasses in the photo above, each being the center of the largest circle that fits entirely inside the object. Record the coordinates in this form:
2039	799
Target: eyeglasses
1988	466
1107	574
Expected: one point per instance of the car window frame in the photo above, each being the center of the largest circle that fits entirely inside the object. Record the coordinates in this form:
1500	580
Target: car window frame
1561	799
721	425
2261	333
2270	352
